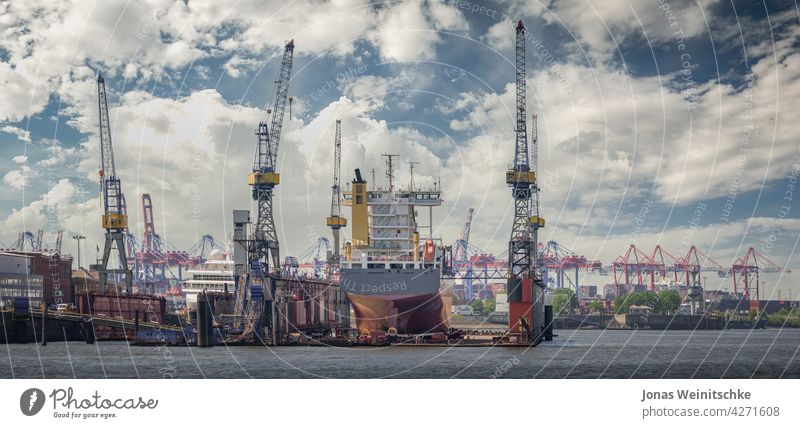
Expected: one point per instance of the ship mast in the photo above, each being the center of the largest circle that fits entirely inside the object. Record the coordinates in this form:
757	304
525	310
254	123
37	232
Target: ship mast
390	170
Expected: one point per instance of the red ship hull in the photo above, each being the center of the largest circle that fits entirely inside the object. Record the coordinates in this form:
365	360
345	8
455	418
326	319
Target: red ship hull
409	314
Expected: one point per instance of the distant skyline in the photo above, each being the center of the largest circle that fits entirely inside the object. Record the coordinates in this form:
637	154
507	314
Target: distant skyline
668	122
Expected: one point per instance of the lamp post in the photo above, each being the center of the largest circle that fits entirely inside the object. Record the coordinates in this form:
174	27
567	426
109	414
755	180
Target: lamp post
78	238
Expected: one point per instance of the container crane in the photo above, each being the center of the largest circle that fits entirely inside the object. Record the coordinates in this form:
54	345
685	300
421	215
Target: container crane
558	261
693	262
151	241
24	237
59	239
460	252
461	260
265	174
745	271
525	289
198	251
629	270
151	258
114	219
336	221
39	245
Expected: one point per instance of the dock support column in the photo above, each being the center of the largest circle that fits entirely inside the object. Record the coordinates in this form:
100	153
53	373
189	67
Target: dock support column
44	325
273	309
205	334
548	323
88	332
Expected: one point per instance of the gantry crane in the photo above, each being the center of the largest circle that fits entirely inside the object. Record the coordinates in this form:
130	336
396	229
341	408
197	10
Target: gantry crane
460	255
59	239
24	237
265	174
114	219
151	260
524	286
39	244
336	221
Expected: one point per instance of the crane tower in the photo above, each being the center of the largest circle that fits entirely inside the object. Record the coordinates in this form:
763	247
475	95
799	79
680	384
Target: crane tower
114	219
336	221
525	290
265	174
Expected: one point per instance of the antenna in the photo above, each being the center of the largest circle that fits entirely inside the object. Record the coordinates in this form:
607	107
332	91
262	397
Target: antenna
411	167
390	170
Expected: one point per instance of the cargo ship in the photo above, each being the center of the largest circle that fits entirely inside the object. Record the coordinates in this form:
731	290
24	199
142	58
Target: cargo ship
392	279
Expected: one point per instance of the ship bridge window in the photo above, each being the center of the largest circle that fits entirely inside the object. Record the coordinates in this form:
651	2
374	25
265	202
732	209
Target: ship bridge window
396	266
376	266
409	265
356	266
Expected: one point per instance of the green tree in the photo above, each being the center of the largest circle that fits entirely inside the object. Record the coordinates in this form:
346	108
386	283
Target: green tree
596	306
564	301
668	302
488	306
651	299
621	304
477	305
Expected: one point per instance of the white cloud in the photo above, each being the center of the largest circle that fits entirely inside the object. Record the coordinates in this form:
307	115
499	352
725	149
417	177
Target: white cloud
60	205
235	66
19	178
144	39
602	25
599	28
20	160
21	134
447	18
56	154
375	90
408	31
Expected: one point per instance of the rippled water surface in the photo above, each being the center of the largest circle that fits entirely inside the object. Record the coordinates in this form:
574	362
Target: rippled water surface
573	354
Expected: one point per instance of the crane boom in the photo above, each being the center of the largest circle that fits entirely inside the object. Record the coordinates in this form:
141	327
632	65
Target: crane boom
281	94
107	167
336	197
521	134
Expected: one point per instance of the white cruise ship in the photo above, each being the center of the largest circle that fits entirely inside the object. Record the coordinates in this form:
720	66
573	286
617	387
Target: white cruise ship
215	275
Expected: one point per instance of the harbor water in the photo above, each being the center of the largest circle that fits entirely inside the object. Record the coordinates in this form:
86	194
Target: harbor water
769	353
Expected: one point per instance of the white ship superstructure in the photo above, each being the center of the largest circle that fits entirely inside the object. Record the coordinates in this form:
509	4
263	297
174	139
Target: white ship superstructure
215	275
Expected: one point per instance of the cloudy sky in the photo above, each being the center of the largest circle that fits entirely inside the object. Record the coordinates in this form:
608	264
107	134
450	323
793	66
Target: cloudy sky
660	122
